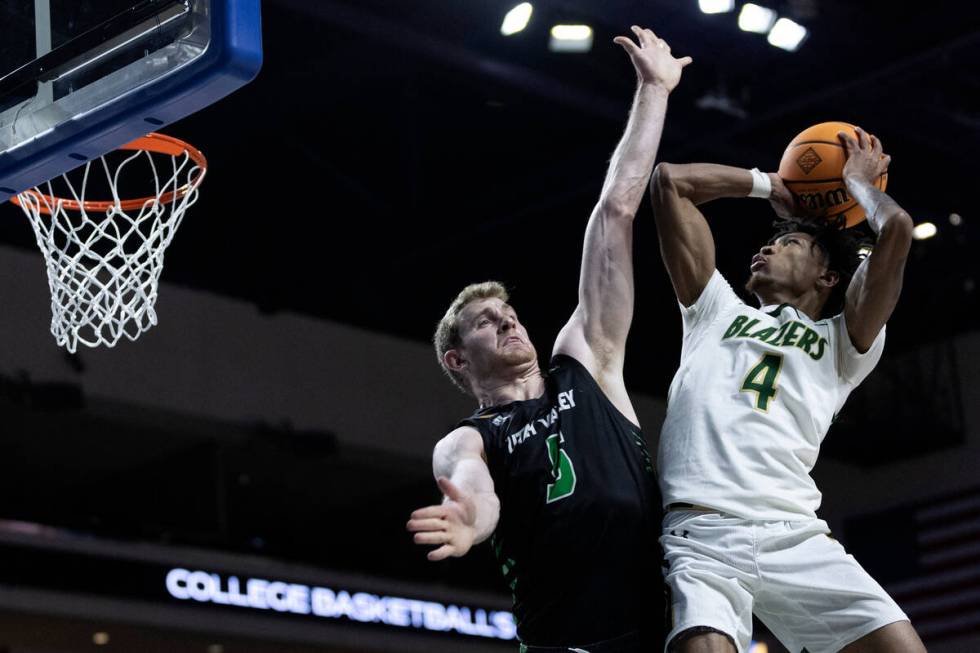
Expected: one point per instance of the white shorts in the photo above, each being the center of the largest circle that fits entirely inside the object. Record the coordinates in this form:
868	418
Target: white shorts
797	580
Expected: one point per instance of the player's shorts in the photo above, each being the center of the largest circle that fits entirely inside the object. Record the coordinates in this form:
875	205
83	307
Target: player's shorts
629	643
799	582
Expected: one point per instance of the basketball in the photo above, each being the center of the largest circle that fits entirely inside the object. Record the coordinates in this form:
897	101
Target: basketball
812	167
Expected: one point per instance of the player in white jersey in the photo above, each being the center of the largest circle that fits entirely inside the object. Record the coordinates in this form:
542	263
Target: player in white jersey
755	393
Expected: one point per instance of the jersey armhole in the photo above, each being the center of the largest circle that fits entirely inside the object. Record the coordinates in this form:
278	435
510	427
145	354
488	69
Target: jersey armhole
583	371
712	304
853	365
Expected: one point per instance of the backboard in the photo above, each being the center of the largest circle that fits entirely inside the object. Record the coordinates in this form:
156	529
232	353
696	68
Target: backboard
79	78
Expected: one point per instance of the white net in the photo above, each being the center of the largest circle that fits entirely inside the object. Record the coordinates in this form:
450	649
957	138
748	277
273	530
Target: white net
104	262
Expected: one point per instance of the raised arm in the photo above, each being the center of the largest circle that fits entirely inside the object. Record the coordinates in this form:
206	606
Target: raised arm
470	508
596	333
686	244
877	284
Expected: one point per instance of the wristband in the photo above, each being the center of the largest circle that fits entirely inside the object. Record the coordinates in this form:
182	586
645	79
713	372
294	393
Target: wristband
761	184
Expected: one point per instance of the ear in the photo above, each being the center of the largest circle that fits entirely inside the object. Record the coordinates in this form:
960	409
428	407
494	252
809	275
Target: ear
828	279
453	360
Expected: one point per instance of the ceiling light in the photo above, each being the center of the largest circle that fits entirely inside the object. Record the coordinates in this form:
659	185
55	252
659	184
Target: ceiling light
716	6
787	35
570	38
517	19
100	638
754	18
924	230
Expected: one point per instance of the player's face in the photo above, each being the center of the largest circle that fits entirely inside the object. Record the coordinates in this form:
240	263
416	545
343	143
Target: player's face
493	338
793	262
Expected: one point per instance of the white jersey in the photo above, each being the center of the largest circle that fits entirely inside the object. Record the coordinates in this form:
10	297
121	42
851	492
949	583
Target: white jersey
753	398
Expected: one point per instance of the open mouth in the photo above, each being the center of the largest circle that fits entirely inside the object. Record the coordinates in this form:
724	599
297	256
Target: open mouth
758	261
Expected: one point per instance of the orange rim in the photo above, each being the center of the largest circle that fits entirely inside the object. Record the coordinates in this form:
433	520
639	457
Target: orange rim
154	142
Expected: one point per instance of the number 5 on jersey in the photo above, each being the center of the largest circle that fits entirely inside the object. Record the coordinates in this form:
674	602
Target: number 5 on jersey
762	380
562	470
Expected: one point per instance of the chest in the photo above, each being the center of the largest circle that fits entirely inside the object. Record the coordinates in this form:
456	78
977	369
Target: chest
574	443
771	362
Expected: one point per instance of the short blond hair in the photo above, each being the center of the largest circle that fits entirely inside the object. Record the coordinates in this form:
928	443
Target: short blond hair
447	334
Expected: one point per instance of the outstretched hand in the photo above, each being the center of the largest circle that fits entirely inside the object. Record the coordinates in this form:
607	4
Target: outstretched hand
450	526
652	59
865	159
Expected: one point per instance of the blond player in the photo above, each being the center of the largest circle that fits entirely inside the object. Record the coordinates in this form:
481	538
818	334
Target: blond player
553	465
755	393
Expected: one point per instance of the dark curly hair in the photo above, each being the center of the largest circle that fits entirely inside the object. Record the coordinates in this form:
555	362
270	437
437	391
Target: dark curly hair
842	247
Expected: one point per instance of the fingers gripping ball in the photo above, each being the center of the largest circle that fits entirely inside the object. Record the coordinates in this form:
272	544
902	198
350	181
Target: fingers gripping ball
811	169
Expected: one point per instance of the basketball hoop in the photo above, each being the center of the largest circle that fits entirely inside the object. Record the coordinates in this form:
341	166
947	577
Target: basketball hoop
104	257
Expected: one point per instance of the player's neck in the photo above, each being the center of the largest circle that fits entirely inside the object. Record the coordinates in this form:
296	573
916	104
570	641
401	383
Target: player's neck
809	303
519	384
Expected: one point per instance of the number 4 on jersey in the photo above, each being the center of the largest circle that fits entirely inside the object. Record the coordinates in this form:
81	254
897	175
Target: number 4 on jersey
562	470
762	379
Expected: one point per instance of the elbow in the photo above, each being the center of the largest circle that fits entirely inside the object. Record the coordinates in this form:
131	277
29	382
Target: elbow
898	227
666	182
903	222
663	177
494	507
442	456
617	210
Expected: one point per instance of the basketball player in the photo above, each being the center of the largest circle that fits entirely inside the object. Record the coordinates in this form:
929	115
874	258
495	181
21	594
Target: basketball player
756	391
554	465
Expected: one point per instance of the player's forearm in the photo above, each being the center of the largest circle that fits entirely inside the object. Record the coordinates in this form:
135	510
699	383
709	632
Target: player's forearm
470	475
874	291
487	515
487	508
702	182
884	214
632	161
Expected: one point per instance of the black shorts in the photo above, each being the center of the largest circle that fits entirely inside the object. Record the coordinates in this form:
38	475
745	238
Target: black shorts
634	642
